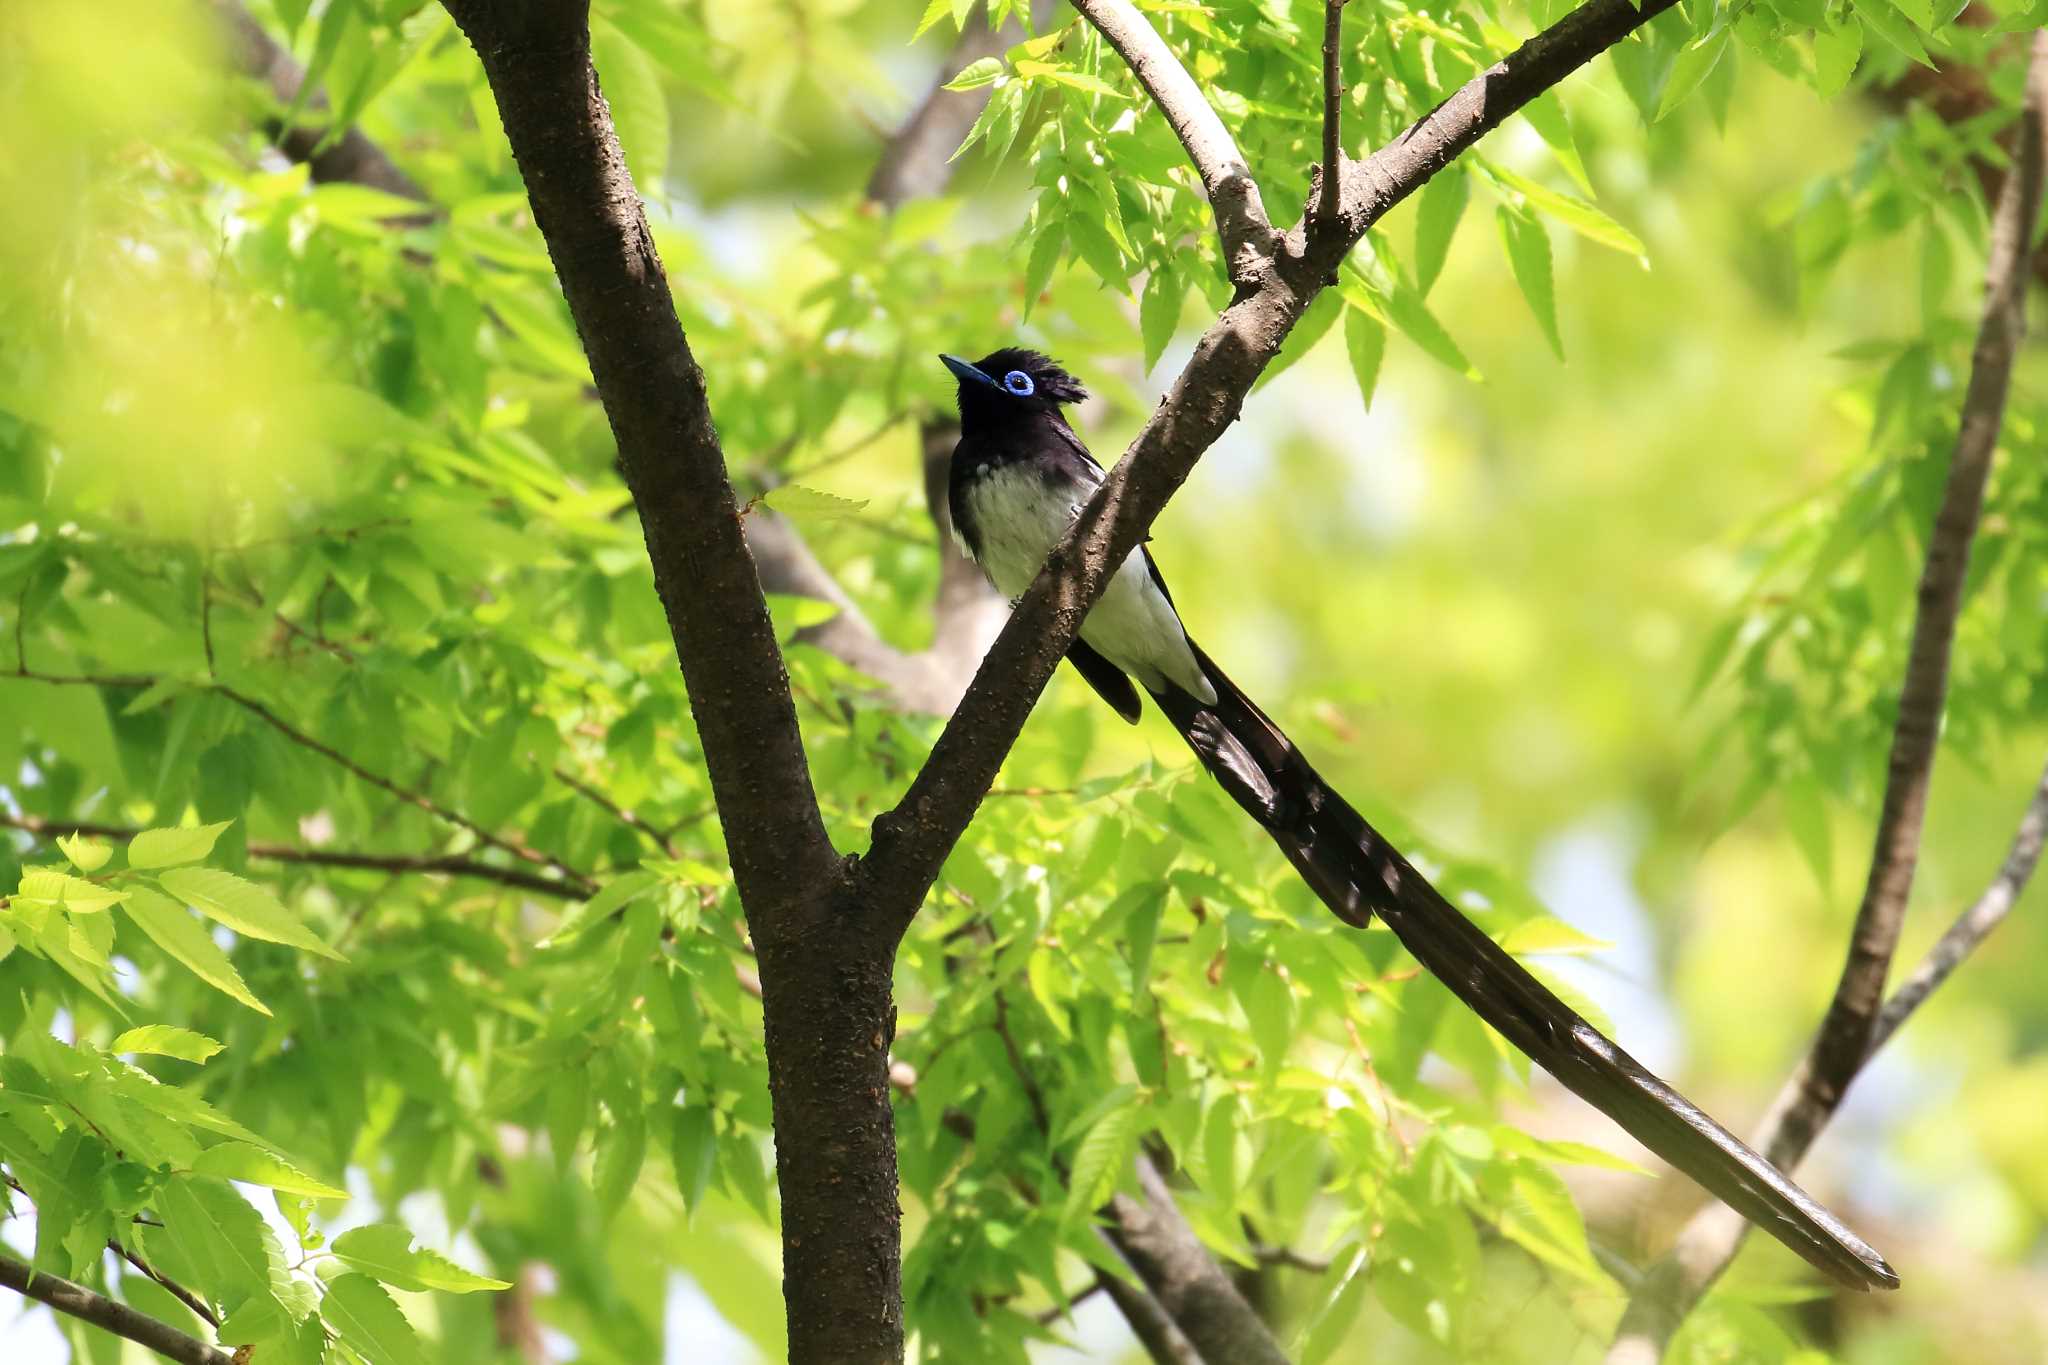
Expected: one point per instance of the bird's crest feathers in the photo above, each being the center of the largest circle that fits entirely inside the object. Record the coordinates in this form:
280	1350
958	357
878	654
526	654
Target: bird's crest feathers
1047	378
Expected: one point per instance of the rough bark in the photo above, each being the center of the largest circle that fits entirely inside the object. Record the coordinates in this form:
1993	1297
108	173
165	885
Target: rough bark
825	976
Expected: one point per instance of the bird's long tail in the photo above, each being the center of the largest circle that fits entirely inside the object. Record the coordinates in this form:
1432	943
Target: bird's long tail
1358	874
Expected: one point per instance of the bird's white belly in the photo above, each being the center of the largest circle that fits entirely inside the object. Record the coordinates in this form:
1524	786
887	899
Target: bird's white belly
1021	517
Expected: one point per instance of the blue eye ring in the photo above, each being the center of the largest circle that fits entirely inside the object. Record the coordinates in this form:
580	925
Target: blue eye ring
1019	383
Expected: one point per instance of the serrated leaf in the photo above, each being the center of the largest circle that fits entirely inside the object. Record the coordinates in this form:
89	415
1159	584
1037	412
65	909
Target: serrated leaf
1835	54
242	1161
619	1158
1103	1153
1528	249
611	897
87	855
693	1148
1365	344
933	12
169	847
385	1250
1159	311
1696	62
166	1040
1886	23
357	1307
75	895
243	907
1546	114
171	927
976	74
218	1238
1576	214
1436	222
795	500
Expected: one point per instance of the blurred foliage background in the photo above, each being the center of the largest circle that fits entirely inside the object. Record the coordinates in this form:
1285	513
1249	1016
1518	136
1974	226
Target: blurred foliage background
307	524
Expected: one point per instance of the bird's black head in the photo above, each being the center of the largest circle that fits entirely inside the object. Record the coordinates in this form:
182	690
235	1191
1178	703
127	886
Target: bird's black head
1006	385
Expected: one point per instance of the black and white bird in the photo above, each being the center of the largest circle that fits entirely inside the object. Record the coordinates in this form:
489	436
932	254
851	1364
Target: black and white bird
1019	478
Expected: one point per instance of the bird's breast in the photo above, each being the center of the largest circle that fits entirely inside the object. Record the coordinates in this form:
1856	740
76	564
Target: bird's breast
1019	514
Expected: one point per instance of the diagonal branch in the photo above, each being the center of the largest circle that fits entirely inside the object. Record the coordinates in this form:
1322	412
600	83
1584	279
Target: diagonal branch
1248	237
1974	925
1853	1026
86	1305
912	840
1185	1279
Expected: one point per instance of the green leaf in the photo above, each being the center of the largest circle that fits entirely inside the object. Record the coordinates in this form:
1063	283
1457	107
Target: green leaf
1576	214
620	1154
170	847
166	1040
1696	62
1528	248
1365	345
693	1148
976	74
632	87
1102	1155
218	1238
1546	114
244	1162
611	897
1885	21
369	1322
795	500
172	928
385	1250
1343	1294
1420	326
1436	222
1159	311
60	890
243	907
87	855
933	12
1835	54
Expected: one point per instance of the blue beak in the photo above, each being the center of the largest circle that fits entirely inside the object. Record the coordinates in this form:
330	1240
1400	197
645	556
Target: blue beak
966	372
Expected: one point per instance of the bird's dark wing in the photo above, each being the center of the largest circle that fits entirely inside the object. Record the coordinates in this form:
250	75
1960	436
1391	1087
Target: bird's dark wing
1107	679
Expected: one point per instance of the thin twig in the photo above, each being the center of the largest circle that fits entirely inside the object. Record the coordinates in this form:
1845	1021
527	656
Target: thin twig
169	1285
75	1300
1975	924
1852	1027
397	863
579	882
1333	110
617	812
1248	237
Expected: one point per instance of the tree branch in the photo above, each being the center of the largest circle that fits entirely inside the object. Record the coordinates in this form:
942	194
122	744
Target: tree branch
1332	176
1185	1279
1248	237
352	158
912	840
1163	1341
1974	925
395	863
84	1304
1853	1027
